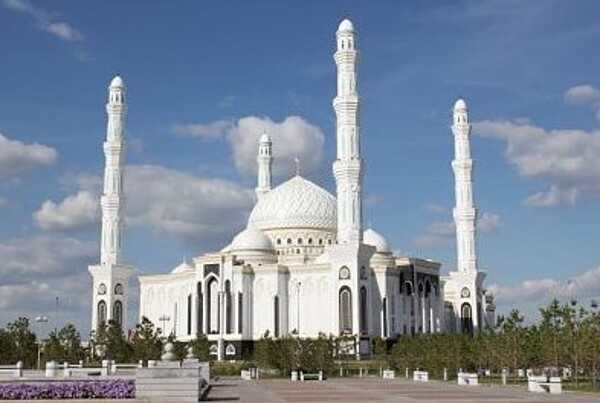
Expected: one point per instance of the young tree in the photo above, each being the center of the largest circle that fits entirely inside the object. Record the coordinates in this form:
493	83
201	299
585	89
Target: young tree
112	344
200	347
146	343
22	342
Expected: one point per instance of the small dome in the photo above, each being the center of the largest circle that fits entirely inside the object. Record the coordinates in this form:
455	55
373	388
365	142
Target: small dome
251	239
346	25
265	138
183	267
117	82
460	104
373	238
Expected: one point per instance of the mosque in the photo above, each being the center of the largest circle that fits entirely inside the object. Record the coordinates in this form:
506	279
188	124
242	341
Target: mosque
304	265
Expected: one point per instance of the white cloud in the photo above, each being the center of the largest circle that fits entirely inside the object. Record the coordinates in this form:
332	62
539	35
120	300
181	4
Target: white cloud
584	95
17	157
195	209
583	286
209	131
293	137
190	208
75	211
441	233
566	159
44	20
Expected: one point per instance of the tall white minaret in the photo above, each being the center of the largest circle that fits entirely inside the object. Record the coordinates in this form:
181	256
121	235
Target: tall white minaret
465	213
347	168
111	276
112	200
265	161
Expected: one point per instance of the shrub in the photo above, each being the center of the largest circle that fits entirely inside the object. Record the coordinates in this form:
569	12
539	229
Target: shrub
113	389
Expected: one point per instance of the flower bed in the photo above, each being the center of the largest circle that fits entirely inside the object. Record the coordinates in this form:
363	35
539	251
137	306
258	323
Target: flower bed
97	389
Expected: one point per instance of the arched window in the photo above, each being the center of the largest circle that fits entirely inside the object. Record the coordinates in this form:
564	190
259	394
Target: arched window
119	289
199	307
189	314
118	313
276	316
213	306
320	242
364	328
310	241
228	308
384	313
240	315
101	313
289	241
345	310
299	241
278	241
466	318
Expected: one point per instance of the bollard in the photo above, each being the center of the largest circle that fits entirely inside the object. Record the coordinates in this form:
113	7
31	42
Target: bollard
301	376
320	375
503	376
51	368
66	372
141	364
445	374
19	371
341	372
406	373
113	367
81	363
360	372
105	368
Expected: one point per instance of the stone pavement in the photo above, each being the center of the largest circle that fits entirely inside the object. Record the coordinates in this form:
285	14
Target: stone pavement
367	390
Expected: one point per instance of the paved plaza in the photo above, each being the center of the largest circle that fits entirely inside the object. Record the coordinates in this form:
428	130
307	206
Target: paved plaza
366	390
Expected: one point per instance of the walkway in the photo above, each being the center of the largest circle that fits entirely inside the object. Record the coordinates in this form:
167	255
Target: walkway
371	390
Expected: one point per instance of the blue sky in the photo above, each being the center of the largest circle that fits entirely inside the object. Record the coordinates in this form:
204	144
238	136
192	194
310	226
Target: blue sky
204	78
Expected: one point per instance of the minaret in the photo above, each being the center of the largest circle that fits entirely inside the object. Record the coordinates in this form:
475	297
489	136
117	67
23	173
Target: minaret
465	213
112	200
265	161
347	168
111	277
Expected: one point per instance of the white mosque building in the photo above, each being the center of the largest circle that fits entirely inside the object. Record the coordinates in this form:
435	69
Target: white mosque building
304	265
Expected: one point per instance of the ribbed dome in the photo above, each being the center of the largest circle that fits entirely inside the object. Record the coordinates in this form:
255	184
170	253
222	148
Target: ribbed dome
117	82
297	203
373	238
251	239
346	25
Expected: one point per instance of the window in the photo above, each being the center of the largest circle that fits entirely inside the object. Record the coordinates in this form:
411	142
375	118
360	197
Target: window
345	310
199	307
401	282
230	349
385	321
364	328
189	314
119	289
101	313
276	316
329	241
320	242
310	241
212	310
299	241
118	313
278	241
289	241
466	318
240	316
228	308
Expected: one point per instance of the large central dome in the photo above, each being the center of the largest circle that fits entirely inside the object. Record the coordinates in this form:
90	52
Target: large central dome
297	203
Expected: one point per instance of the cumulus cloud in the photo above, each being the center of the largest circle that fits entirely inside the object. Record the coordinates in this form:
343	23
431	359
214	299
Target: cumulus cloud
74	212
294	137
190	208
440	233
45	20
17	157
584	95
201	210
566	159
583	286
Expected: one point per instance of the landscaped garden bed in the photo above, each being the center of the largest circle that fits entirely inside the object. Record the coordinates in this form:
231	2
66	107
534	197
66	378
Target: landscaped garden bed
96	389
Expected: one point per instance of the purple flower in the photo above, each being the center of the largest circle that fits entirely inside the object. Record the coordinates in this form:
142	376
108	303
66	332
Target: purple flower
87	389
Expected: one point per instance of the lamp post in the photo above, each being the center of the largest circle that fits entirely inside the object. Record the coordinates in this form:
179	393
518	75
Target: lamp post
164	319
40	320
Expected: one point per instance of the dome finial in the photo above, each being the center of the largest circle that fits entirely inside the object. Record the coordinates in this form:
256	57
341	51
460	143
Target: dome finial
297	162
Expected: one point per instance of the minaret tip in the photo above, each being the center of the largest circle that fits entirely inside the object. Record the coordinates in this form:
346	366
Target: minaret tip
460	104
117	82
346	25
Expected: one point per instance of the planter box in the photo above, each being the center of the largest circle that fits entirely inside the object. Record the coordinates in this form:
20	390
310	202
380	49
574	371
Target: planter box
467	379
389	374
421	376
